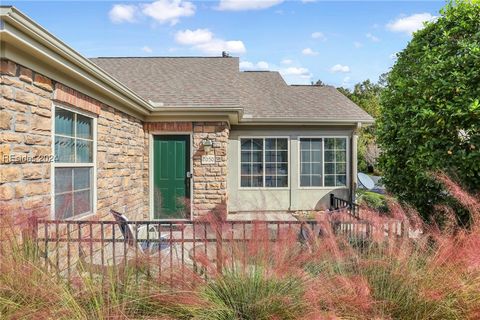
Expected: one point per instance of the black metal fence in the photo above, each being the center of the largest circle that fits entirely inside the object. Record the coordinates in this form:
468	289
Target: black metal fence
98	247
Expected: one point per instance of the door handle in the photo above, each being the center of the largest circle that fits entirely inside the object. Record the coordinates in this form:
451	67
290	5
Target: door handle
189	175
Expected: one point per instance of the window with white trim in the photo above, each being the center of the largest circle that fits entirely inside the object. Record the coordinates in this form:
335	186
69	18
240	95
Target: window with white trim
323	162
74	164
264	163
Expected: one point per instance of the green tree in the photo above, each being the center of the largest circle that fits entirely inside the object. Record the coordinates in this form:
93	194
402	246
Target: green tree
430	110
367	95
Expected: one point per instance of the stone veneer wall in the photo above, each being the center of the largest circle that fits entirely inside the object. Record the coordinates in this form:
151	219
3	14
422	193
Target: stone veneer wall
209	181
25	123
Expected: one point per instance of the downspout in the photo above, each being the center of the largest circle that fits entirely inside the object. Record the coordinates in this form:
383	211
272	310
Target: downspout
353	174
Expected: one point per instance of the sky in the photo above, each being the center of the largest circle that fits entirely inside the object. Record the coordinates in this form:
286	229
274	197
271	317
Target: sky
338	42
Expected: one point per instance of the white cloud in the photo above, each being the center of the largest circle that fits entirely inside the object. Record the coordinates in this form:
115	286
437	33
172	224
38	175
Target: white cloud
340	68
169	11
247	65
309	52
319	35
410	24
372	37
147	49
122	13
217	46
286	61
240	5
296	71
357	44
191	37
204	40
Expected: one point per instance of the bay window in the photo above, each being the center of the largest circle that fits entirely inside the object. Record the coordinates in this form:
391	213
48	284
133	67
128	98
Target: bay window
74	164
264	162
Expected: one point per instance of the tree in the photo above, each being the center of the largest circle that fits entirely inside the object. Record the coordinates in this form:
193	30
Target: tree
319	83
367	95
430	110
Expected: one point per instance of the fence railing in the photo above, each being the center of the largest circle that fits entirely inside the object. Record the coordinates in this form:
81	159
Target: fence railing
339	203
97	247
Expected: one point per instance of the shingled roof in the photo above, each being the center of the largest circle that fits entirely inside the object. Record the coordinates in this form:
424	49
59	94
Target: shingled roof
217	82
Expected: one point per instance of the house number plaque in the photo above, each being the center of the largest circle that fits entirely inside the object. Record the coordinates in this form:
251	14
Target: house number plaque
208	159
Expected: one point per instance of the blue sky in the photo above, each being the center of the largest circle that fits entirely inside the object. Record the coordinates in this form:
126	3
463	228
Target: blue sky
339	42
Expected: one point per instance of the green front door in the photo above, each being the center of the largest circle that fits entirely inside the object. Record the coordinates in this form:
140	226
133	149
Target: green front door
171	159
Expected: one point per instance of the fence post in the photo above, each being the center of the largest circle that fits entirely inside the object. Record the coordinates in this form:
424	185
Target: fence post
219	246
332	201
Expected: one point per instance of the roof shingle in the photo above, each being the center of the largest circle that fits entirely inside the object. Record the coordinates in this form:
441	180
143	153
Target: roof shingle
217	82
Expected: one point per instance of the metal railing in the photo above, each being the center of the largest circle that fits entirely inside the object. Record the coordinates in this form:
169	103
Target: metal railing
97	247
339	203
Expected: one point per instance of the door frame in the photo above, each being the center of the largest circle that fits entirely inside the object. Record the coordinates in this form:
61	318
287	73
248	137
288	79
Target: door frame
150	171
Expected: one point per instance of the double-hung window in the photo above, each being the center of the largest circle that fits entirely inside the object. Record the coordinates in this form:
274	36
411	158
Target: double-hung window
264	163
323	162
74	164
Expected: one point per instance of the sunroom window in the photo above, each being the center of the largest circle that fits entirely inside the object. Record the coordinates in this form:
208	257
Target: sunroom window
323	162
74	164
264	163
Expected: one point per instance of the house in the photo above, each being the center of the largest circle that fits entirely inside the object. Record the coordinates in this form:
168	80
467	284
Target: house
163	137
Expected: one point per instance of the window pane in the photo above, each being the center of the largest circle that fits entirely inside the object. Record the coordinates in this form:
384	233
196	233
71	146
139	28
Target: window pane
282	182
329	168
270	156
340	156
64	122
63	180
270	144
270	168
304	144
341	180
257	181
316	144
246	169
305	181
84	127
81	202
84	151
305	156
329	180
246	156
316	168
282	156
246	144
282	168
341	168
329	156
316	181
257	168
270	181
329	143
64	149
282	144
246	181
316	156
63	206
81	178
257	144
341	143
257	156
305	168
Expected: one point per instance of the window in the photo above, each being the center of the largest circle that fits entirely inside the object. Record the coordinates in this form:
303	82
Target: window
323	162
74	164
264	162
311	162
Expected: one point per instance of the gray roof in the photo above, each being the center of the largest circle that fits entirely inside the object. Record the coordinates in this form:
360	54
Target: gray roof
217	82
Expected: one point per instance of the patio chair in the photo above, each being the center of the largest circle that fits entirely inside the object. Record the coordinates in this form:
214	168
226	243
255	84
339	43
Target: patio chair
148	243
